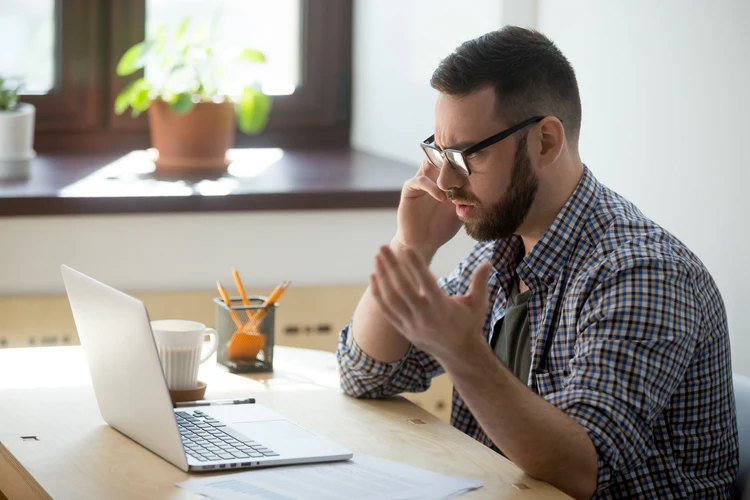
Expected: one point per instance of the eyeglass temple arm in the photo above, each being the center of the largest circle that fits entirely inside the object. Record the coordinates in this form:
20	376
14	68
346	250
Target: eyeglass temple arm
502	135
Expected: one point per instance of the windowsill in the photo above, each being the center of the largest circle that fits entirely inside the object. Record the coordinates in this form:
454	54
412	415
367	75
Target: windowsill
313	179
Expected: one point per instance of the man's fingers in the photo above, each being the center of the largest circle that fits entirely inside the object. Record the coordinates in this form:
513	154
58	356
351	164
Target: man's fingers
428	170
401	279
385	304
388	291
479	283
425	279
420	184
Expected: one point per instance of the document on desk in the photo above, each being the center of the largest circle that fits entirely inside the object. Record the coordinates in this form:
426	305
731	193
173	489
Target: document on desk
361	478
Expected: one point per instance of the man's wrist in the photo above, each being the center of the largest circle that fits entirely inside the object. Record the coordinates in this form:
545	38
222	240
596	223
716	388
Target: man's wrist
398	248
471	358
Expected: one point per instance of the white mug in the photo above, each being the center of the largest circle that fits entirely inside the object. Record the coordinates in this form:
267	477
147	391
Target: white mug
182	349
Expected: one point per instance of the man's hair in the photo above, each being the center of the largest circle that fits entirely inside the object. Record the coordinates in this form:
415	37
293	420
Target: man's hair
529	74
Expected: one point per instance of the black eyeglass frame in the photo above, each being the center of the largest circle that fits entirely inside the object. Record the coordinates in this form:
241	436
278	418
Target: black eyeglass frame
429	143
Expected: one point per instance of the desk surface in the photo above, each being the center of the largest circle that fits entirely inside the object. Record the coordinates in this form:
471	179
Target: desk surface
46	393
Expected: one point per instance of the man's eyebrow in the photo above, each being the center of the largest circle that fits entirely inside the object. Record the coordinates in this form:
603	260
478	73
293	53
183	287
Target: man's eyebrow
459	145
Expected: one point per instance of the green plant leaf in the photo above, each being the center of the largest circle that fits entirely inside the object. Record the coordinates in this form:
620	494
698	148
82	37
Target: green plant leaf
130	62
140	101
182	103
133	93
252	110
252	55
122	101
160	39
182	28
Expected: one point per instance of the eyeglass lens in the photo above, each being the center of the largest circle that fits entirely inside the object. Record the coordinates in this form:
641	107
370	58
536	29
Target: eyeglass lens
455	159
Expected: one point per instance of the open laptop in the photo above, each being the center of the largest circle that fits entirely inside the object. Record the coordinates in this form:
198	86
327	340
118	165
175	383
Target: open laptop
132	394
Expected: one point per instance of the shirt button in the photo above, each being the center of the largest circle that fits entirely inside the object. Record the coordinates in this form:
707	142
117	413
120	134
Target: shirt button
549	279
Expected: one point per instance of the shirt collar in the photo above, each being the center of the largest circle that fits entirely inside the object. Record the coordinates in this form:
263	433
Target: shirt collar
548	257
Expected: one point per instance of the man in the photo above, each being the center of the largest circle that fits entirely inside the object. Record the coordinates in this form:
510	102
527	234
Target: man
600	362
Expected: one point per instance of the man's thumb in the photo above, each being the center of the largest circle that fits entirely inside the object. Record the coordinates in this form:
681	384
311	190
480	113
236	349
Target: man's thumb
479	282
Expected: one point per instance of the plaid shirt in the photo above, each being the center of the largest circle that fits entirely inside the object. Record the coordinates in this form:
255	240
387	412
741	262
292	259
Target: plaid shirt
629	338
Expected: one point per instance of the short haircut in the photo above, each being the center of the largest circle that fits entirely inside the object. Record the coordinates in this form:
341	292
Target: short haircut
529	74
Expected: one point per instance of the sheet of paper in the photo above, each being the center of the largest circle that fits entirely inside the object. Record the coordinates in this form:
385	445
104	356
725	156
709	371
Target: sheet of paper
361	478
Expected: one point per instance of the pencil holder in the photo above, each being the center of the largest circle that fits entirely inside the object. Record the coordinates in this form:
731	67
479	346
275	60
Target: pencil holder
245	334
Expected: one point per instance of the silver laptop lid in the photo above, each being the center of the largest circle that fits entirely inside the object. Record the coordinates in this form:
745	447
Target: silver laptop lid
128	381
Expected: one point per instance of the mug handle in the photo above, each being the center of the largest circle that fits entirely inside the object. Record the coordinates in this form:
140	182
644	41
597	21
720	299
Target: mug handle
205	354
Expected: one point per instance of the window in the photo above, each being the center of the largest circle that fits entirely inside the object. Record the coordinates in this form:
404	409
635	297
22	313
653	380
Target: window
33	61
71	47
273	27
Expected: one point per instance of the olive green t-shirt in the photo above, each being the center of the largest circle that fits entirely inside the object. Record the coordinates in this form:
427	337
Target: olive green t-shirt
510	337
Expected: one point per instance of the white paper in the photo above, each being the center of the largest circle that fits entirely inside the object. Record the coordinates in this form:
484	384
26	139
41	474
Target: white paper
361	478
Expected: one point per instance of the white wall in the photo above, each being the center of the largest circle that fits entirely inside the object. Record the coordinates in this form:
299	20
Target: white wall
397	46
664	88
192	251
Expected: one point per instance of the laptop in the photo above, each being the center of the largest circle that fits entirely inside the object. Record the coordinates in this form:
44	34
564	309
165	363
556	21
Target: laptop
132	395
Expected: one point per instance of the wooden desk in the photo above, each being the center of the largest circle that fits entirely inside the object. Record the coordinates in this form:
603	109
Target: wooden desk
70	452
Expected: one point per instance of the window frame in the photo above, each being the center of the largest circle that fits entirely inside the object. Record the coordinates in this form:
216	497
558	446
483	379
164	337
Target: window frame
79	116
73	103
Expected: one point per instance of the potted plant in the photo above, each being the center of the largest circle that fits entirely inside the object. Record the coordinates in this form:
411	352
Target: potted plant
194	88
16	133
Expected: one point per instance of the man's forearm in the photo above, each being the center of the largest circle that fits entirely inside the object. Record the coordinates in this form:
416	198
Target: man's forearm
374	334
538	437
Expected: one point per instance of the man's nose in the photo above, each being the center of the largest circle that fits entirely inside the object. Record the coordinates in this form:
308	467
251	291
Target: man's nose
448	177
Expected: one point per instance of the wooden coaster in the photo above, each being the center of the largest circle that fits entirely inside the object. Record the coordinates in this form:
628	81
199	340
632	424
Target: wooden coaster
189	394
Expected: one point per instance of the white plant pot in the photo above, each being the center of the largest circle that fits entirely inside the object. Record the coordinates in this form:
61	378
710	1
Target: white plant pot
17	142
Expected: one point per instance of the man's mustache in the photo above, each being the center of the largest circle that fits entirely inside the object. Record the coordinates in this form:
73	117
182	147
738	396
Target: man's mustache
455	195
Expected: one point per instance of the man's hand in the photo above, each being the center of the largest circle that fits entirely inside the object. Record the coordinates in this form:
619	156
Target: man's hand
426	217
447	327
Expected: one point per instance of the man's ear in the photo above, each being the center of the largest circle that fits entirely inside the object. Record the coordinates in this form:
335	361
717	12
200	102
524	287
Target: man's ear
549	139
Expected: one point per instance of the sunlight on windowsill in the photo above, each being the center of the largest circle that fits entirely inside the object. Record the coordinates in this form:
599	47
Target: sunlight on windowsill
135	175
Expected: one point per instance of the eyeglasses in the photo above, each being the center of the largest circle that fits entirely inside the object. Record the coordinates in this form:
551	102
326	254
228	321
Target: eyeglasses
457	158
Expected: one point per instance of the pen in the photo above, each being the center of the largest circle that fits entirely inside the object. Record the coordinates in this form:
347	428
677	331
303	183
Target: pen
215	402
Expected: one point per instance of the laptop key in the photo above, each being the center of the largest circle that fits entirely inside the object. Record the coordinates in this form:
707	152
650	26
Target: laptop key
239	454
271	454
226	456
255	454
182	413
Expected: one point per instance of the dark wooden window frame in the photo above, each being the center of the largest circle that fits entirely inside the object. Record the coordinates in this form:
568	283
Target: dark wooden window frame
77	116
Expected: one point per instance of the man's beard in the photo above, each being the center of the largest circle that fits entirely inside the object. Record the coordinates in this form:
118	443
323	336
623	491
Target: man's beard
504	218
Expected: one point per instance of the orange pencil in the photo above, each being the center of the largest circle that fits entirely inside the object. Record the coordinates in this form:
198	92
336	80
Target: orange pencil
240	288
272	299
228	302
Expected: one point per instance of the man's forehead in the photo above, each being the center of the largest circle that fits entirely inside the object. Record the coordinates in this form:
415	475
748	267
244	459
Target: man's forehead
465	119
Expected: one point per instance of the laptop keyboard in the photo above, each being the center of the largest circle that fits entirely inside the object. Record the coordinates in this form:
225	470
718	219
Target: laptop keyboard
207	439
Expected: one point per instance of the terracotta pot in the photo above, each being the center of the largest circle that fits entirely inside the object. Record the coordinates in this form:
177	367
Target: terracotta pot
197	140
